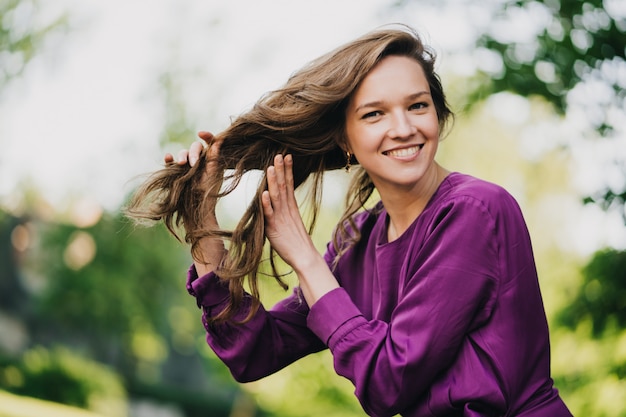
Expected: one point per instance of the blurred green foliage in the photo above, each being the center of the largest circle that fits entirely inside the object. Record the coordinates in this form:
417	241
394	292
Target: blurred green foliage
601	298
61	375
590	339
576	43
22	35
116	293
134	280
12	405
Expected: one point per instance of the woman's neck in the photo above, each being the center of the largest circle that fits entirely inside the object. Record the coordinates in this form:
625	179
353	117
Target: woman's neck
403	207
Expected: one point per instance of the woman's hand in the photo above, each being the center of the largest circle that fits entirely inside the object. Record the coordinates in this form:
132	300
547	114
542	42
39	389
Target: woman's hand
192	155
284	227
288	235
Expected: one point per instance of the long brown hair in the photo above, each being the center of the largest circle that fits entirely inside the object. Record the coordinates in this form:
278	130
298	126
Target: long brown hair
304	118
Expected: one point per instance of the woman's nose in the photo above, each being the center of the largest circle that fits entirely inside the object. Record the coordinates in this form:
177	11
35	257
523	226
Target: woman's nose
401	126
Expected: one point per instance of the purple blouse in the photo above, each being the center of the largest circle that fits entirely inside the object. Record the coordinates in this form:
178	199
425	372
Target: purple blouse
447	320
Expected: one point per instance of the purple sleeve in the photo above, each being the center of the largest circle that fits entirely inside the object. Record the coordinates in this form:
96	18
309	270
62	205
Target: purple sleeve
269	341
451	290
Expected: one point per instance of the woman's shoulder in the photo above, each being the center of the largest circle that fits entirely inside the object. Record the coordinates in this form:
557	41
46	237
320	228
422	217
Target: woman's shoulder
459	188
467	184
458	185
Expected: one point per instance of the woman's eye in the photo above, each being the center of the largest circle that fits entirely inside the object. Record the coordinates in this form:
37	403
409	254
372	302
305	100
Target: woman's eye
418	106
371	114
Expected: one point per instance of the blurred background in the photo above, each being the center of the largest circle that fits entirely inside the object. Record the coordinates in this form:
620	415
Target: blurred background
94	317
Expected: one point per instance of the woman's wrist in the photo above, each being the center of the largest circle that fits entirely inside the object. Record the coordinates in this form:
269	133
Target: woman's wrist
208	254
315	278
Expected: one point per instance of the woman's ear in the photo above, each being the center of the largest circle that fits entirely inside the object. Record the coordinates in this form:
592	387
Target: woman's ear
345	147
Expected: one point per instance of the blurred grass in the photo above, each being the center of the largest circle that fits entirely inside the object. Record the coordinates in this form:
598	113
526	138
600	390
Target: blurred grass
16	406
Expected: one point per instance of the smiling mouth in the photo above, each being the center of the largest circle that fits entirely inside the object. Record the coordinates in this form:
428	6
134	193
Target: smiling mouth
404	151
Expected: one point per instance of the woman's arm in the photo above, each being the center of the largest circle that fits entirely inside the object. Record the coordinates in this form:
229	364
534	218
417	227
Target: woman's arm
211	249
267	342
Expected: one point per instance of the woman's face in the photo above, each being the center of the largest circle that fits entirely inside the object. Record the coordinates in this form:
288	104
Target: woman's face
391	124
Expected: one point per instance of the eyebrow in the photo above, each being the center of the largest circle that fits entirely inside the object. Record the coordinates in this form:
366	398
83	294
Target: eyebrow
379	103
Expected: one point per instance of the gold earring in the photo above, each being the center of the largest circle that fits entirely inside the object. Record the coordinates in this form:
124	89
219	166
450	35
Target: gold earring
348	166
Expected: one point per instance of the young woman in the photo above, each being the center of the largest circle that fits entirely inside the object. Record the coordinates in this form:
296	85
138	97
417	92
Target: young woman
429	301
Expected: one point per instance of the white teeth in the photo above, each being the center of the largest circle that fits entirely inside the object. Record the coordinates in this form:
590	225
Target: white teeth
404	152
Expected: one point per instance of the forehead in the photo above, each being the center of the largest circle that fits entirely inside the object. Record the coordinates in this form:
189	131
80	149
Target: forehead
393	75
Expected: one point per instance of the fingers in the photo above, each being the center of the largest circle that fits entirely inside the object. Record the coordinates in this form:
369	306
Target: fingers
194	152
284	227
192	155
214	149
289	183
276	181
206	136
181	158
196	148
266	201
270	196
280	196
